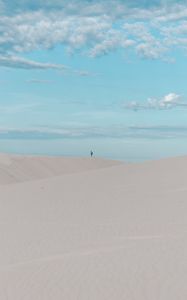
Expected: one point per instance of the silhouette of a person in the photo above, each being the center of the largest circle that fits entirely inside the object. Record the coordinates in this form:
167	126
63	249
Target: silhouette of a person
91	153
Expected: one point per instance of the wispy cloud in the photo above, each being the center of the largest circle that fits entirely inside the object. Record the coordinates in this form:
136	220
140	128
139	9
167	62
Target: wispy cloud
18	108
84	132
39	81
83	73
22	63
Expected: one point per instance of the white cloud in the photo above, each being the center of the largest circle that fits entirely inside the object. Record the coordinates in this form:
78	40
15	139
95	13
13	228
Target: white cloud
169	101
33	31
150	30
151	50
38	30
171	98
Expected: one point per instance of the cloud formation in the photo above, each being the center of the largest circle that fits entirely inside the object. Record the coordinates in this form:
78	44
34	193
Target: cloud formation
148	132
169	101
150	29
22	63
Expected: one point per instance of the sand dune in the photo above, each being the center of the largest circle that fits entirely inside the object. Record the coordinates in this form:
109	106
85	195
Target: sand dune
92	229
18	168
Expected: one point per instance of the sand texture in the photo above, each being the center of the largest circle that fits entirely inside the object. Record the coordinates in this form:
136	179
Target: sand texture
92	229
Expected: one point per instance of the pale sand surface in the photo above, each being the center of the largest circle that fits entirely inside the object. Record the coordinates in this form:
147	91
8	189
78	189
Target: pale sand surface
92	229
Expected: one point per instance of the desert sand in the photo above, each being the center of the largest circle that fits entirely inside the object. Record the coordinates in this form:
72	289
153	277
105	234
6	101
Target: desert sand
92	229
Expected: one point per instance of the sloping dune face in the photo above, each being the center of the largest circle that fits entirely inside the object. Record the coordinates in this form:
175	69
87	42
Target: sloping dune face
17	168
113	231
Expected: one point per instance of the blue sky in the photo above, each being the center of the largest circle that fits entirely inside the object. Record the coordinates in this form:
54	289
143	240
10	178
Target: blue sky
91	70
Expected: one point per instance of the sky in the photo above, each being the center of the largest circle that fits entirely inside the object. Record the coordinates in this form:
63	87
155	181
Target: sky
81	74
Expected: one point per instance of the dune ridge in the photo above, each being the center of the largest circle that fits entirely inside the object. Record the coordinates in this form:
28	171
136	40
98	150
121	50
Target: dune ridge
19	168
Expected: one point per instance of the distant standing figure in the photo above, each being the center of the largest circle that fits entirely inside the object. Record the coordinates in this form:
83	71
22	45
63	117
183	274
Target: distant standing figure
91	153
